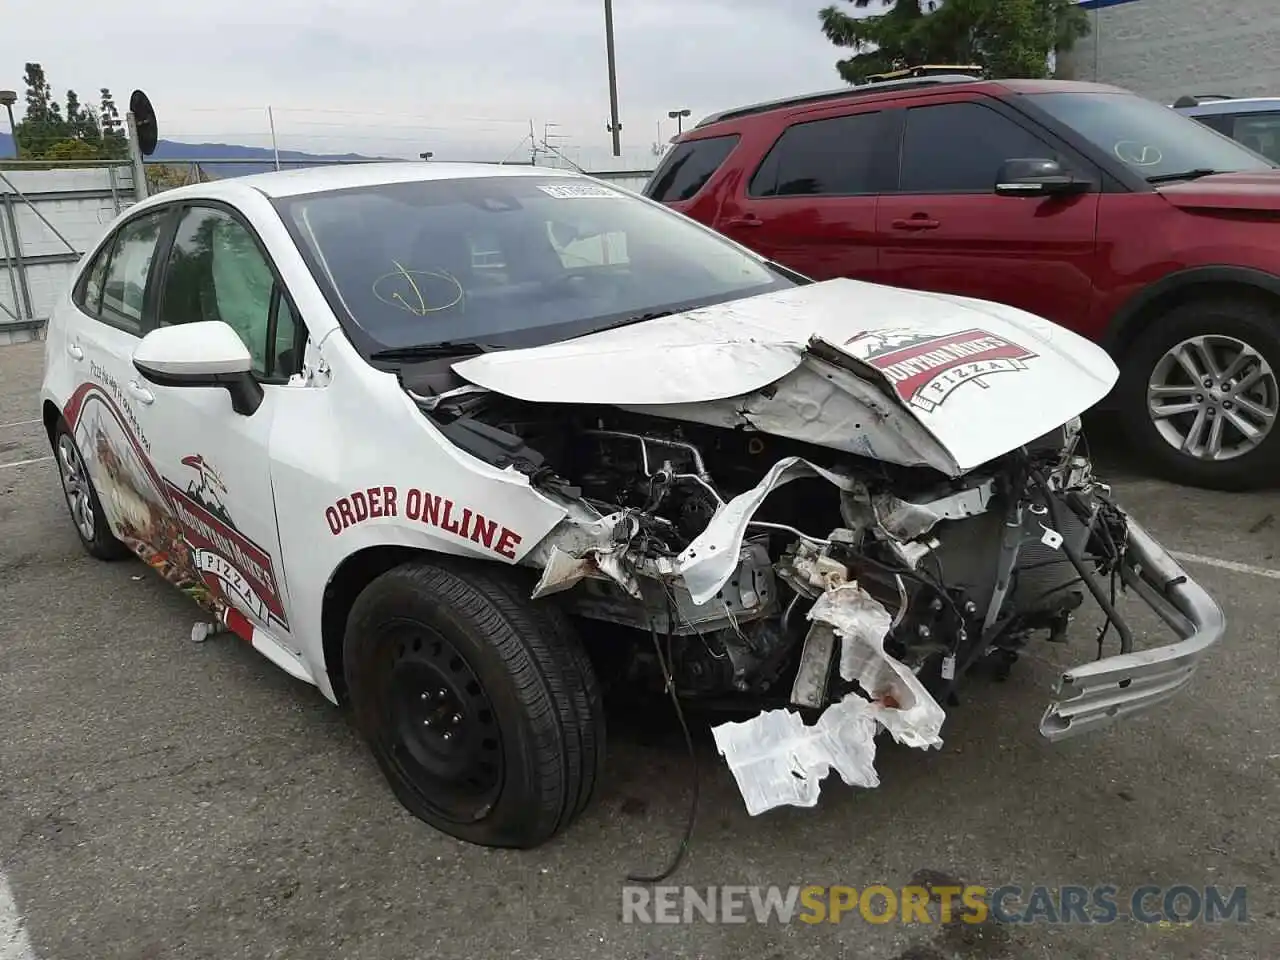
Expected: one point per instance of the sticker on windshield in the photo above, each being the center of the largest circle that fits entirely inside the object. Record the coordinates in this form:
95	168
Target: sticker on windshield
574	191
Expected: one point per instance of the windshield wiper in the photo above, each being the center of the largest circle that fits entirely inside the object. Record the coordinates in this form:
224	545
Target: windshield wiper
1195	174
638	318
429	351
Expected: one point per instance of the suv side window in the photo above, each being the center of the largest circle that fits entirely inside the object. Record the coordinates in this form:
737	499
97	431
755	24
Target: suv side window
832	157
1260	132
688	167
959	147
217	271
116	286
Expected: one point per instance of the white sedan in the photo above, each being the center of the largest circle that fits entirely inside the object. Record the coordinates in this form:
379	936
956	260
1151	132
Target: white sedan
465	445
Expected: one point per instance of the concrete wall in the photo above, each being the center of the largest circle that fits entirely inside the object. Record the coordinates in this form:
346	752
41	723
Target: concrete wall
48	220
1163	49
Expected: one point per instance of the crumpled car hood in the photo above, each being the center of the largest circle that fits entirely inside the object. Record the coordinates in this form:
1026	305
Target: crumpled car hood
850	365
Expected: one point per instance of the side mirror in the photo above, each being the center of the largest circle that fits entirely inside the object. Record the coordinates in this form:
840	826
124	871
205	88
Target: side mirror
1036	178
204	354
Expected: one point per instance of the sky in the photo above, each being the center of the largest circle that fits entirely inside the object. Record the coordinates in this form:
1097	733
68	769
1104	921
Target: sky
460	78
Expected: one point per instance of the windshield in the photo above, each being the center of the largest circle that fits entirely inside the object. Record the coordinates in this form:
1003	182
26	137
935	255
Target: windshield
509	261
1154	140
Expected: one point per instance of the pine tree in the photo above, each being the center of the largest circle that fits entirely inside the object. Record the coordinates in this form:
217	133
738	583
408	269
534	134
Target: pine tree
1008	38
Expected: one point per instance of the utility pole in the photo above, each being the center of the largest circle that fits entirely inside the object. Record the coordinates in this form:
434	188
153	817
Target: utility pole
135	158
275	147
615	127
9	98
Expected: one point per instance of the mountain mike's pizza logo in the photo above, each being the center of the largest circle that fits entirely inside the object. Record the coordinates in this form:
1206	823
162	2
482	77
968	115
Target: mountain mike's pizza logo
925	369
230	563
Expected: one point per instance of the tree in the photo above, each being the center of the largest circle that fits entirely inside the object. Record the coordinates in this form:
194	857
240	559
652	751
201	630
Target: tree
42	125
114	143
83	122
1008	38
82	134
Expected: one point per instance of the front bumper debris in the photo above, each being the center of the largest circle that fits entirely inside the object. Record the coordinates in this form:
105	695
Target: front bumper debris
1099	693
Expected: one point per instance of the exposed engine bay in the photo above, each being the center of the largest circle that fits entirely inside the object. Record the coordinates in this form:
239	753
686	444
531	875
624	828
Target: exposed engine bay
964	568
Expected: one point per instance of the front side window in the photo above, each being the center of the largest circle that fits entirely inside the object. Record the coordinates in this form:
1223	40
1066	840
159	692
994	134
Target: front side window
1154	141
832	157
124	283
510	261
688	167
959	148
216	271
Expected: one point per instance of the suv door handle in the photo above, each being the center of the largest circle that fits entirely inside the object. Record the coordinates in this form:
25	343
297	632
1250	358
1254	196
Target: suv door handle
747	221
916	223
73	349
141	393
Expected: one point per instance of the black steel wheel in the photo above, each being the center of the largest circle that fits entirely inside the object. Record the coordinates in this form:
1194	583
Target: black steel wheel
439	728
478	703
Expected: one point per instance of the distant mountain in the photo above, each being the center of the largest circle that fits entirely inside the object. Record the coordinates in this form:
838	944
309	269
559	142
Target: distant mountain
173	151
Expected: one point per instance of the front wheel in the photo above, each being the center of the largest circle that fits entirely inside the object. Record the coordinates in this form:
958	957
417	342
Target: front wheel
1200	395
478	703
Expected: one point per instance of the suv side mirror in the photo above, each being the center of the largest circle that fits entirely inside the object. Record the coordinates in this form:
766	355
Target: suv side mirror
203	354
1036	178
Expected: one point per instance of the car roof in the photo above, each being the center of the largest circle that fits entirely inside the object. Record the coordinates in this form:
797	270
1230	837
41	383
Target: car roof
339	176
888	89
1233	105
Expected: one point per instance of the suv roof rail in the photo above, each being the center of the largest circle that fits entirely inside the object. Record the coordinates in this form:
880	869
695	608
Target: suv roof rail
862	89
929	70
1195	99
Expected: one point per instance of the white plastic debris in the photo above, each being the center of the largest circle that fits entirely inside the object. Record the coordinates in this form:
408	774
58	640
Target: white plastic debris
778	760
202	630
901	703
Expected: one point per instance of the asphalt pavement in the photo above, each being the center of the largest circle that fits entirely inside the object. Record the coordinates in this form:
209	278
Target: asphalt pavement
164	799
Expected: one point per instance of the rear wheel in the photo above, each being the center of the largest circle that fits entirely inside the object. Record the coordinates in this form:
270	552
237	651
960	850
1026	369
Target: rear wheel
478	703
1200	394
82	500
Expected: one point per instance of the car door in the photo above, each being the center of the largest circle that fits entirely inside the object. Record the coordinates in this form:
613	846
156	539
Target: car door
944	229
106	410
811	203
214	462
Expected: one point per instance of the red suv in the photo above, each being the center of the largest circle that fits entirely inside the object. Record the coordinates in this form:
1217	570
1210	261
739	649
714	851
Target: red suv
1086	204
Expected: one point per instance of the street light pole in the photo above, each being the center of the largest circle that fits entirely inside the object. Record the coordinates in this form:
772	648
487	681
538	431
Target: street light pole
614	127
678	116
9	98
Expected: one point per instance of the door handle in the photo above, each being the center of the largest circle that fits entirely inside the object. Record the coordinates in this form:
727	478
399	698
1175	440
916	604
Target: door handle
141	393
916	223
74	351
747	221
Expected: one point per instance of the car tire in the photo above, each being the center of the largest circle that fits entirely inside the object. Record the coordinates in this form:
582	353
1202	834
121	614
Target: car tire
479	704
87	518
1224	327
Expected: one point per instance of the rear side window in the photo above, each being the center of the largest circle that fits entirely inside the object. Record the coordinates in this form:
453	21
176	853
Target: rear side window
832	157
1260	132
959	147
688	167
90	298
116	288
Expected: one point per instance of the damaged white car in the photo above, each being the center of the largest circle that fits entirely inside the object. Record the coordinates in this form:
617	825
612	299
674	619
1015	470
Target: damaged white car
469	446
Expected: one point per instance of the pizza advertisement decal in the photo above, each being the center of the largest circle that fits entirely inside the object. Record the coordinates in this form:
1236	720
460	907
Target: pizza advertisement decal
229	562
925	369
